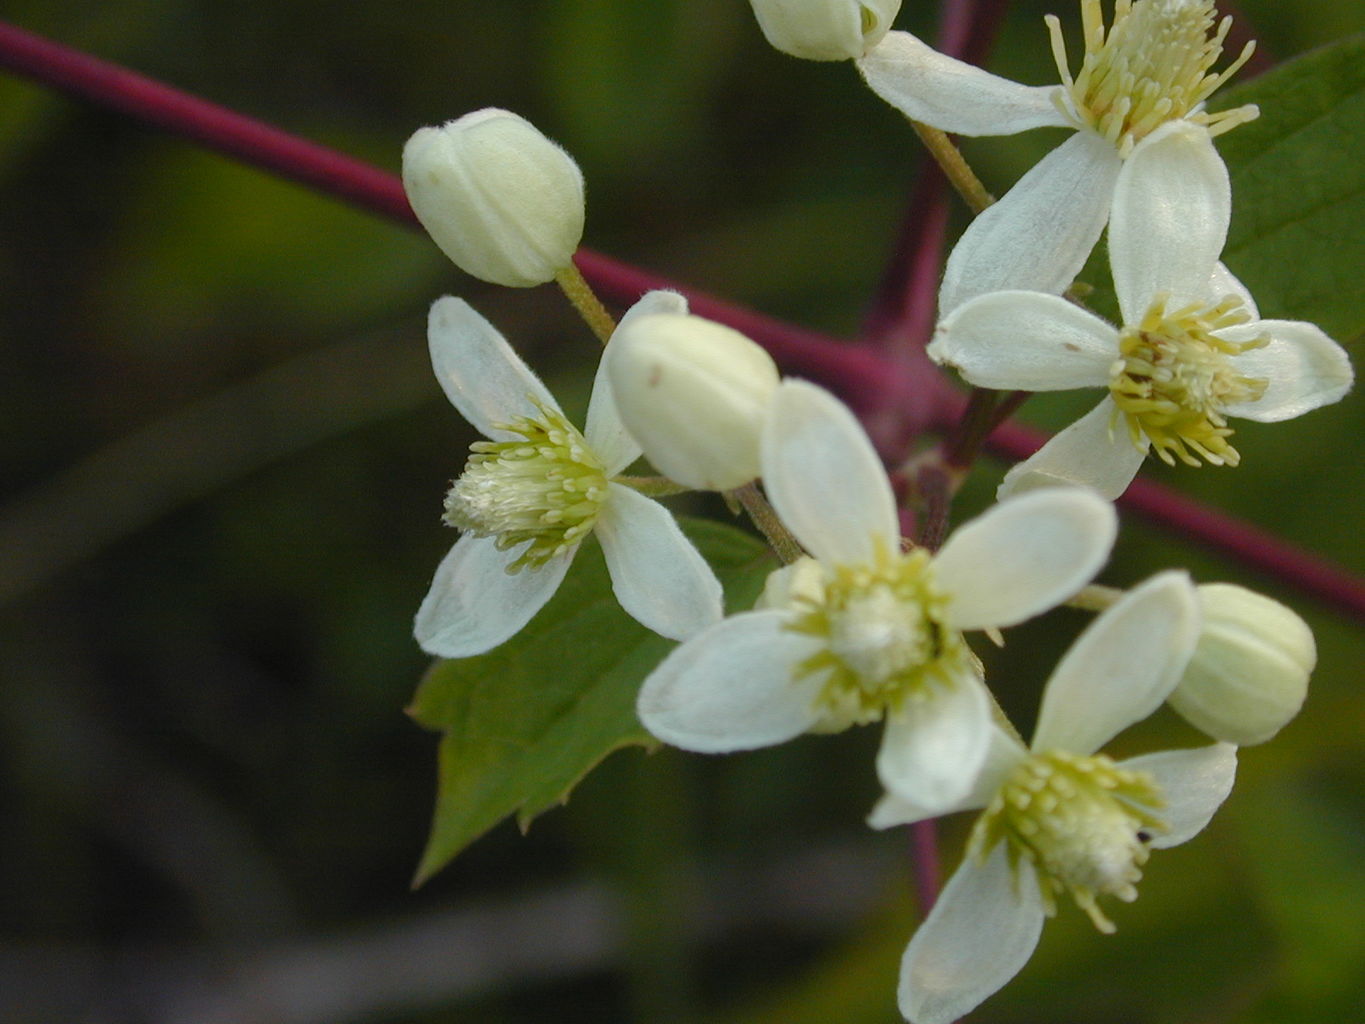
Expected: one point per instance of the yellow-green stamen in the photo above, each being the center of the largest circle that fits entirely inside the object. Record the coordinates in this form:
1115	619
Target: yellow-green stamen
884	642
1152	66
1175	378
1081	824
544	489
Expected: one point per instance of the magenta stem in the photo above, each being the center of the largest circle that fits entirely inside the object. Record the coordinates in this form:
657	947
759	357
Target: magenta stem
864	378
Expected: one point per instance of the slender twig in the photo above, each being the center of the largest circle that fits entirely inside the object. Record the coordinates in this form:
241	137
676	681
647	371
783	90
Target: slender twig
959	174
764	517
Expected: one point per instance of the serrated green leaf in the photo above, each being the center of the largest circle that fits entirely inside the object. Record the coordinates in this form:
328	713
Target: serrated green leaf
526	722
1298	189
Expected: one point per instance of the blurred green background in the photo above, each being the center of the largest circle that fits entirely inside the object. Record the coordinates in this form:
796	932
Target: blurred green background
224	458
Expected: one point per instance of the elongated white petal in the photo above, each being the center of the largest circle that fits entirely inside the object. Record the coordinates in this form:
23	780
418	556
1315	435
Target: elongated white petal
1024	556
1039	235
1003	752
732	687
1089	453
603	430
1305	368
1172	202
1026	341
1222	283
1122	667
981	931
824	478
957	97
483	378
474	604
933	749
661	580
1194	784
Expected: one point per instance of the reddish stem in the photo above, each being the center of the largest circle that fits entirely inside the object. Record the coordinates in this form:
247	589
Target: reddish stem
860	376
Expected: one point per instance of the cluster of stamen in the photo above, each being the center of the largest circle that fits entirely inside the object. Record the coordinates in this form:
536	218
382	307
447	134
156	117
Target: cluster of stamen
1081	824
883	640
543	489
1153	66
1175	378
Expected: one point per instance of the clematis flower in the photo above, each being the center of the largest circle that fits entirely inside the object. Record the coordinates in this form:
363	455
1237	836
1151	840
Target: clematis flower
531	494
864	631
1060	818
1192	350
1144	78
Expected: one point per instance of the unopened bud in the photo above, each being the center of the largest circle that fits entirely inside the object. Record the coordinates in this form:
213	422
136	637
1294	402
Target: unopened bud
825	29
500	199
694	394
1249	673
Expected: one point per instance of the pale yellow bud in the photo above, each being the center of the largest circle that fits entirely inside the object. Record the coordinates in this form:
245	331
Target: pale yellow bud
694	394
500	199
1249	673
825	29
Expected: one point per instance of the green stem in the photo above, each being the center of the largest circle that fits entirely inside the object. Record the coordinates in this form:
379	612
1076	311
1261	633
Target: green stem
653	486
765	518
959	174
577	290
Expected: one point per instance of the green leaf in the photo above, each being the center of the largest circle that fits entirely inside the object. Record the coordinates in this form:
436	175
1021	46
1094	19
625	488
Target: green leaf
1298	189
525	722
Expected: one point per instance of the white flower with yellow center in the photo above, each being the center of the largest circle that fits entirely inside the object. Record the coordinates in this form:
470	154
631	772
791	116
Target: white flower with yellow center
1058	818
533	492
863	630
1147	76
1192	350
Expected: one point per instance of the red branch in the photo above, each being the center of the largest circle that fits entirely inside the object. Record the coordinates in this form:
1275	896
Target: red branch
863	377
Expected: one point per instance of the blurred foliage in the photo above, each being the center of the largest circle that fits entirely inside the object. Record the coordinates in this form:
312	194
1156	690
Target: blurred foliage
224	460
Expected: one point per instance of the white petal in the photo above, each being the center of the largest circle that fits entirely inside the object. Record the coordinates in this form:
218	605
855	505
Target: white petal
980	933
1194	783
483	378
1222	283
1026	341
933	88
1172	202
1024	556
1003	752
661	580
824	478
474	603
1121	667
1305	368
1039	235
933	749
732	687
605	433
1089	453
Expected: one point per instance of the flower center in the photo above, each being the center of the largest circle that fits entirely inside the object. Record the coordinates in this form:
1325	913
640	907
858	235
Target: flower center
1175	377
884	641
543	490
1082	824
1152	66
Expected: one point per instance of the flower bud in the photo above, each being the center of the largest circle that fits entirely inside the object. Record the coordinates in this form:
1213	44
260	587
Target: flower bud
1249	673
500	199
694	394
825	29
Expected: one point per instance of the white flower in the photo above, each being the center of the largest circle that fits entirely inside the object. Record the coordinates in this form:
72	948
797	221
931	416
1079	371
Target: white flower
500	199
532	493
1060	818
825	29
1192	350
694	393
1148	75
863	630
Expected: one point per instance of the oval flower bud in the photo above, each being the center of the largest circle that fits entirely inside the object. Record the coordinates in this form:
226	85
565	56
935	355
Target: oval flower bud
1249	673
825	29
500	199
693	393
